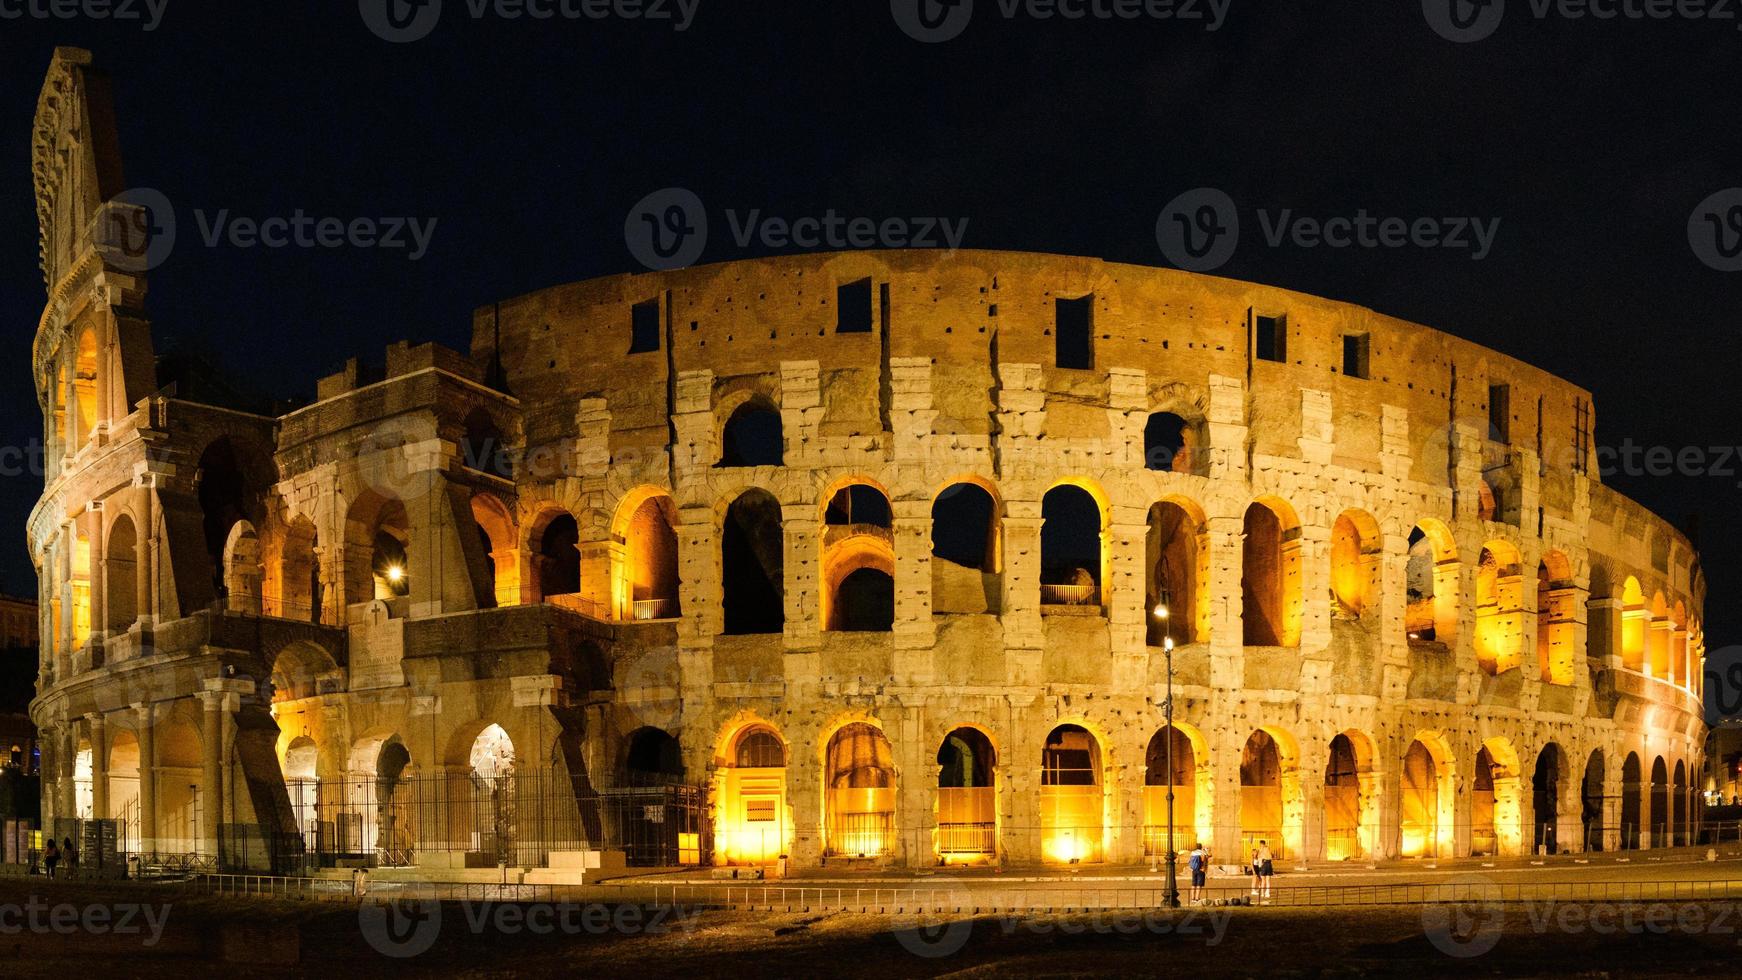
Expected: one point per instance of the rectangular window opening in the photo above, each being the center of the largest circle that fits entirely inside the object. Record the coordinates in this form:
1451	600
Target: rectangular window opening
1355	351
1073	333
1500	413
854	302
1270	337
644	327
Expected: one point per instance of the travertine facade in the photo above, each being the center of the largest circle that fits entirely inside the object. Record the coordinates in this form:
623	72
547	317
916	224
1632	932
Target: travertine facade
724	547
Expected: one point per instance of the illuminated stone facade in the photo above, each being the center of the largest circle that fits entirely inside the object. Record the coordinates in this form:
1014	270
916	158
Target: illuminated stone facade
864	548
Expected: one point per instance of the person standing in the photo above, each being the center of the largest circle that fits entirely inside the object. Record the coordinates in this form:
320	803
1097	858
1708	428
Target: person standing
51	856
1200	872
1253	866
1266	870
70	854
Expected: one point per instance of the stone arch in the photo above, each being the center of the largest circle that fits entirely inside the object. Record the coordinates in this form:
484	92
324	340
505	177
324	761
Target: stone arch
858	573
497	536
1428	784
1352	795
378	533
645	575
1496	803
1270	574
1556	607
1171	443
1591	802
120	574
651	756
1680	666
751	434
1073	545
1659	803
1192	780
1635	620
1546	785
380	797
86	380
1271	798
967	556
1356	548
1657	638
859	792
123	774
299	572
242	569
1499	607
1431	584
231	479
752	818
297	669
301	765
1633	829
1073	806
182	823
1679	805
1177	560
752	564
553	537
967	797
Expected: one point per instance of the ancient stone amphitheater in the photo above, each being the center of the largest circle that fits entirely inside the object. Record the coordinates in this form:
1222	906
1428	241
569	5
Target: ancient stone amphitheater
862	557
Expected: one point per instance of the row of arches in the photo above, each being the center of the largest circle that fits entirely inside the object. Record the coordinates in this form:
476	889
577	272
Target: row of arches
1510	807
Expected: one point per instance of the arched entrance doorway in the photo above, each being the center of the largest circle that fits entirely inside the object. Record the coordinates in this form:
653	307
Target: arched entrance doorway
754	827
1632	790
1269	795
1591	802
1184	783
1426	824
1351	798
859	793
1072	809
1545	786
967	798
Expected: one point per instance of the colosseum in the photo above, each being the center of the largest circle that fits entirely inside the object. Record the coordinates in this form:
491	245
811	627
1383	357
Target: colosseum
861	559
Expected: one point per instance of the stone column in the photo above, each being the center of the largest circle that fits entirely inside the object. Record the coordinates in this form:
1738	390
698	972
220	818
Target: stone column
914	631
99	568
99	765
803	578
66	787
147	778
1128	610
699	595
1024	629
1225	537
211	771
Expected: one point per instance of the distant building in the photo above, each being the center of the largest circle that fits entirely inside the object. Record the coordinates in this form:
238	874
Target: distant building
18	623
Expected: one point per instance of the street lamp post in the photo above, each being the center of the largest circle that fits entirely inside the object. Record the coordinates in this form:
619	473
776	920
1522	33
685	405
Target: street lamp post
1161	613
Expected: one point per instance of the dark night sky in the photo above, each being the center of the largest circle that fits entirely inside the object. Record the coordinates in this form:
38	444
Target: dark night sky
530	141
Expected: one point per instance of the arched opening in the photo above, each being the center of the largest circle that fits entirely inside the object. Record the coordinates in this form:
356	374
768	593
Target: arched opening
1591	802
1545	787
1657	638
1177	559
1351	798
1426	822
966	560
1431	585
377	565
1072	807
1270	576
1634	620
1496	810
482	447
1071	547
1183	778
120	575
967	798
1270	795
1680	667
81	589
494	528
649	583
379	817
558	555
181	820
84	792
1659	803
1555	606
752	435
858	561
752	822
490	765
1679	806
1169	444
1499	608
124	789
1355	553
230	481
1488	502
85	388
752	565
302	783
242	569
1632	794
859	793
653	757
389	567
297	670
299	588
